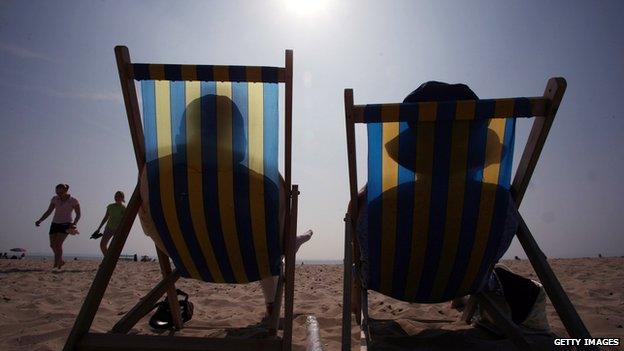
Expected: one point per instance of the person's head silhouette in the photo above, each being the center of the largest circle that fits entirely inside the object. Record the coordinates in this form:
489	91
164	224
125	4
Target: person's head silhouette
437	91
226	127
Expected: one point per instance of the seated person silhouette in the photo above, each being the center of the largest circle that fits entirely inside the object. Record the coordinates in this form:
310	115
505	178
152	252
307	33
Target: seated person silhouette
228	183
420	191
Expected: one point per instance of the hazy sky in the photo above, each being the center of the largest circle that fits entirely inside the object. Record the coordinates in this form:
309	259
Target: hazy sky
63	118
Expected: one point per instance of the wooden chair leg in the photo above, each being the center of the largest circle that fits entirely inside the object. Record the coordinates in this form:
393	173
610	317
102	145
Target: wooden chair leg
566	311
93	299
365	317
277	305
290	271
172	295
346	287
356	297
507	326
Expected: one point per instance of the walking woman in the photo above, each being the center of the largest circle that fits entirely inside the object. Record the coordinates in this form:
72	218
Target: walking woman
112	218
62	204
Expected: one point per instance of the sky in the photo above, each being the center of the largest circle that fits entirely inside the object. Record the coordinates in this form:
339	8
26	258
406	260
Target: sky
63	118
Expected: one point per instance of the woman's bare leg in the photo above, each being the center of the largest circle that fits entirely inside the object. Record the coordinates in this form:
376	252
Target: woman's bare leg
59	238
104	242
54	250
269	285
301	239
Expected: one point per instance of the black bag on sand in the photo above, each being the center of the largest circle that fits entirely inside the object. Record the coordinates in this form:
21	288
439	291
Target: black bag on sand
520	299
162	318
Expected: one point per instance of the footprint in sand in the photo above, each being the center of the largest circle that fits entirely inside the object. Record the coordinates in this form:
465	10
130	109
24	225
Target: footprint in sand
30	339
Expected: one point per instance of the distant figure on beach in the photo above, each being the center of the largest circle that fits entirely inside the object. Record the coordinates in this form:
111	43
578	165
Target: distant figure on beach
112	218
62	204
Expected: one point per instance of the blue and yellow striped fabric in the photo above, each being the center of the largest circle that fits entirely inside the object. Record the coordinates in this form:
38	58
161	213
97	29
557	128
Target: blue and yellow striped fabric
153	71
212	174
433	111
437	199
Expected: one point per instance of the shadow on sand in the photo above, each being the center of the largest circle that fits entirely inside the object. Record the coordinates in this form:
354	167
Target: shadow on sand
389	335
21	270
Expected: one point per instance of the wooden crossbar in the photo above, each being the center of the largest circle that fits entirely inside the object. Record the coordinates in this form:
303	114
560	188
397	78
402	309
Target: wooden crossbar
157	71
461	110
121	342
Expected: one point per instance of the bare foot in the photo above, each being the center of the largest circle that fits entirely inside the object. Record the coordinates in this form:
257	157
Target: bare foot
302	239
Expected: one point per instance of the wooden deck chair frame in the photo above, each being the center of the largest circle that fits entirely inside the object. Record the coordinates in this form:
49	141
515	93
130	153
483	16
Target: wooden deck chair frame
545	109
81	339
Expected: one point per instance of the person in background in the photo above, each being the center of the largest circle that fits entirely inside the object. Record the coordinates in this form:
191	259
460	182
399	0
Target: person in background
112	218
63	204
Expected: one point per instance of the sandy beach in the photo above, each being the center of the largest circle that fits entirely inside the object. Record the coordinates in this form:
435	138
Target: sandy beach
38	305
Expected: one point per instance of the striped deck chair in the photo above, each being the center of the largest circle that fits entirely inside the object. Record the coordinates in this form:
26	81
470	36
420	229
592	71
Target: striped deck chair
210	194
437	201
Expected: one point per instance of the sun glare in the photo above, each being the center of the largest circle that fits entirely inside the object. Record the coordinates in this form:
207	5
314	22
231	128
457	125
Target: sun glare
306	7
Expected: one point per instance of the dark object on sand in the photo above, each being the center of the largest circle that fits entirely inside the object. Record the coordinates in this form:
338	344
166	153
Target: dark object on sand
162	318
600	255
521	293
517	258
136	258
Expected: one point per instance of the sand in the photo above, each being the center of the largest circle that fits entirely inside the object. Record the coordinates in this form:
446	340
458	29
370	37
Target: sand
38	305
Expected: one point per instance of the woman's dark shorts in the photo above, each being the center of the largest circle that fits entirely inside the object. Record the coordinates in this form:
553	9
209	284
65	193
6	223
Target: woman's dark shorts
59	228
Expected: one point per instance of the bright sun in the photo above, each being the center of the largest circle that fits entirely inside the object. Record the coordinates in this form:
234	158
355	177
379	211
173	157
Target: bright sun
306	7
